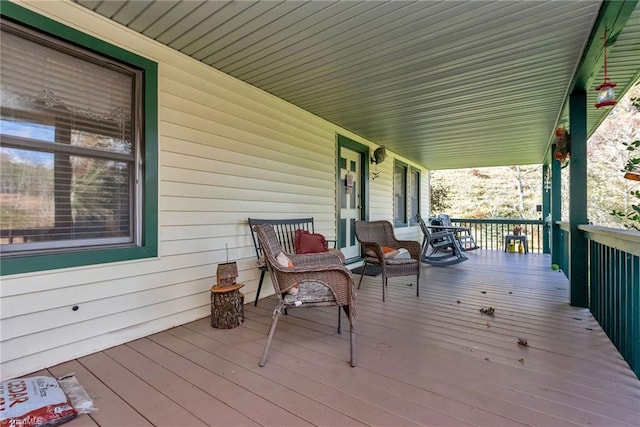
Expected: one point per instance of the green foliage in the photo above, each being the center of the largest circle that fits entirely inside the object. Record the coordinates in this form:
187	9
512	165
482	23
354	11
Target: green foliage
631	218
97	194
100	196
632	163
440	195
498	192
26	200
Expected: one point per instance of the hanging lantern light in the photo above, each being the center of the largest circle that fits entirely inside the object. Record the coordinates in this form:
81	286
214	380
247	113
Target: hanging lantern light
606	94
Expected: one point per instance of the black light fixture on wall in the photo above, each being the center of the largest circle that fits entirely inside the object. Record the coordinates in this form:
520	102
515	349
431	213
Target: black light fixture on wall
379	154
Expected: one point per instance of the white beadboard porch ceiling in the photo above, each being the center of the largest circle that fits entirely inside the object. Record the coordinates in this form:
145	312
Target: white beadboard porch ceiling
448	84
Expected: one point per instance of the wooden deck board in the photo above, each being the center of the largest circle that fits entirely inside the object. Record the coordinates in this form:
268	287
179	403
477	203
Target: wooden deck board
358	410
432	360
241	399
149	402
482	377
479	392
380	389
205	407
278	396
111	409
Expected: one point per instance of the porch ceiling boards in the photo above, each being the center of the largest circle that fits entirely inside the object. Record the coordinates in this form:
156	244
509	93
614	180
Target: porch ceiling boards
432	360
448	84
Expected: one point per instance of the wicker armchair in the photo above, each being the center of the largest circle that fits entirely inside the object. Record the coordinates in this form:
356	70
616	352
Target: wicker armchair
321	280
376	235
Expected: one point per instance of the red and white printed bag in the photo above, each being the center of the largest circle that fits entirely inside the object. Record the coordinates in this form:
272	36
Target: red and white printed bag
34	401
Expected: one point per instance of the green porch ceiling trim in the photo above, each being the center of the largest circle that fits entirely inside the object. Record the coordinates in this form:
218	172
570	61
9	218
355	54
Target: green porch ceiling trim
578	250
149	244
613	16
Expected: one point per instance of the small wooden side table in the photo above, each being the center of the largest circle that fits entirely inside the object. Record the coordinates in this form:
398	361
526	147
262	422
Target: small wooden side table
520	238
227	306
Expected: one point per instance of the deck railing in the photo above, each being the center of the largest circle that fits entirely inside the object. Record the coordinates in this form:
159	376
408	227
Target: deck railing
490	233
563	250
614	287
614	284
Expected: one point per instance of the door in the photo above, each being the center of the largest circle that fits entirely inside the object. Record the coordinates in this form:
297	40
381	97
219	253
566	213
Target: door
350	200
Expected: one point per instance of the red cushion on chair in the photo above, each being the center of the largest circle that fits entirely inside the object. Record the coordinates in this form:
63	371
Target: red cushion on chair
309	243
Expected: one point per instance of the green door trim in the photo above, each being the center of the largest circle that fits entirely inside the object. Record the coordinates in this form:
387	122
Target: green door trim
363	150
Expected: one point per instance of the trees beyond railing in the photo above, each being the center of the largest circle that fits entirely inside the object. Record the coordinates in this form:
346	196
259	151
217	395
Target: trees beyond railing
490	233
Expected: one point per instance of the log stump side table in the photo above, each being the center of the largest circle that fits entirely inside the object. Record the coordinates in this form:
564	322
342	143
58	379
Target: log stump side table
227	306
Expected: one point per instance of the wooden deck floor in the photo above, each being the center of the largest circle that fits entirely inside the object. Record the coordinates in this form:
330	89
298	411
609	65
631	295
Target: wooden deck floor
434	360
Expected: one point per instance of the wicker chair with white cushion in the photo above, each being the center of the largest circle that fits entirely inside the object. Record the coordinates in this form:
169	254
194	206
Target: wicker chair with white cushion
376	237
318	279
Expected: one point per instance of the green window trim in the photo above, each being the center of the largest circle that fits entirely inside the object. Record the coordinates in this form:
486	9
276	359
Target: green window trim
417	211
409	211
400	208
149	244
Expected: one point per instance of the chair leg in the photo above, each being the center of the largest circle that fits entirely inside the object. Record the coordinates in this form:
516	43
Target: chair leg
364	266
352	337
352	343
274	322
339	321
384	285
255	303
418	284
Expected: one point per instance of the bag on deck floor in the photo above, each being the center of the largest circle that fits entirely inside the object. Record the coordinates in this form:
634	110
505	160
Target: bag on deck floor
34	402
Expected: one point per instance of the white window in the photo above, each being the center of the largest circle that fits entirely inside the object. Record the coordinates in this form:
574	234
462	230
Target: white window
72	153
406	191
400	193
414	196
68	147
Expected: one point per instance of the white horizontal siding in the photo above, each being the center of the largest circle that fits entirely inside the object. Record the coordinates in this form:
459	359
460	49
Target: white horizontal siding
227	151
381	191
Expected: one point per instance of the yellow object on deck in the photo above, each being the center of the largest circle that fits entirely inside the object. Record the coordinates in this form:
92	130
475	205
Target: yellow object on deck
511	240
